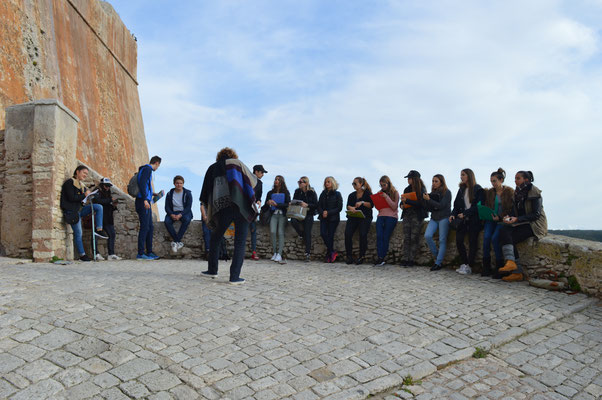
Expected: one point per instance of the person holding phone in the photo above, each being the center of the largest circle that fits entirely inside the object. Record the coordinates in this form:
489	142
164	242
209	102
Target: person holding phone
438	202
412	215
358	200
278	199
465	218
386	219
527	219
330	205
309	199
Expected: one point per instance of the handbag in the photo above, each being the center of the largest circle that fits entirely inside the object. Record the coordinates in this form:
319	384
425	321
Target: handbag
296	211
71	216
457	223
265	215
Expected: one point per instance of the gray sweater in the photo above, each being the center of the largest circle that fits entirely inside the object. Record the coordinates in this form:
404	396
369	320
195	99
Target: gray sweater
440	208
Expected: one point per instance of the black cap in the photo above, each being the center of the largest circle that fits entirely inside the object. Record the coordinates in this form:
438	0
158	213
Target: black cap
413	174
259	168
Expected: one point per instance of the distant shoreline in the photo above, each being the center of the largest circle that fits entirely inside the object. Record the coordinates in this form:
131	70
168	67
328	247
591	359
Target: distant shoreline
595	235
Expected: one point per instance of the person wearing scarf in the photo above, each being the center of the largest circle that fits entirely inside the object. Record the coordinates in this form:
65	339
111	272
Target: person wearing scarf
229	196
527	219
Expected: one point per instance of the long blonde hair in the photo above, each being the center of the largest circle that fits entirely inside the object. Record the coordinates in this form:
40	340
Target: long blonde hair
335	184
391	192
306	179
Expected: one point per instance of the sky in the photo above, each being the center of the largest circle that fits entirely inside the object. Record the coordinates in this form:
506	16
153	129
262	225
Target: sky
370	88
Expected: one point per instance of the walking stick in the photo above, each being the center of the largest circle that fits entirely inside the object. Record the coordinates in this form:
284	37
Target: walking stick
93	231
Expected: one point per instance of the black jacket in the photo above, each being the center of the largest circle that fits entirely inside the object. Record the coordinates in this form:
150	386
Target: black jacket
186	199
310	197
417	205
439	205
352	200
258	190
280	206
472	212
331	201
106	201
71	197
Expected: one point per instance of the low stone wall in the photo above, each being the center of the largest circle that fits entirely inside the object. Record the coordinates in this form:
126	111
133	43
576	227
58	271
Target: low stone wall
560	254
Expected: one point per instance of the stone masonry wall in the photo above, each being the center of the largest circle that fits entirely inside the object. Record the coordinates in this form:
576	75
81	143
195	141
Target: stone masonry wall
570	256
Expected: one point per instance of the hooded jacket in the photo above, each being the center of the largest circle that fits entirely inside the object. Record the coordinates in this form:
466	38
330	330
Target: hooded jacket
186	199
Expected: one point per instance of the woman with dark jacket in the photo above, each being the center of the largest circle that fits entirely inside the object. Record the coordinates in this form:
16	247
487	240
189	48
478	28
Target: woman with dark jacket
438	202
73	192
330	205
359	200
308	198
465	218
500	199
278	199
109	205
526	220
412	215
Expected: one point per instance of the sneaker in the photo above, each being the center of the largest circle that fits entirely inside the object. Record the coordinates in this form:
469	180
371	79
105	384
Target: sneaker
180	245
462	269
99	257
333	256
282	260
85	258
274	257
359	261
143	257
174	247
206	274
380	262
238	281
278	258
349	261
436	267
152	256
254	256
307	257
114	257
98	235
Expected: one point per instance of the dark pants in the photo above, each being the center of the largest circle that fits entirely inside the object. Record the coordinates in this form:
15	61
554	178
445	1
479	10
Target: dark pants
353	224
412	225
513	235
327	231
185	221
303	229
253	229
206	236
241	228
110	230
145	235
472	228
384	230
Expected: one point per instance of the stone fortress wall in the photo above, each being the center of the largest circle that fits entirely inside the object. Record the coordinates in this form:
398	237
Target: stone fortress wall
68	96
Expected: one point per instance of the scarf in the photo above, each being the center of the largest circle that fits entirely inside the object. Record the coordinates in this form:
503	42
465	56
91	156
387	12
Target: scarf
520	195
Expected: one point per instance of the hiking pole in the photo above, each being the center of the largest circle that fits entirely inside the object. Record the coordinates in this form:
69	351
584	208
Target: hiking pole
93	231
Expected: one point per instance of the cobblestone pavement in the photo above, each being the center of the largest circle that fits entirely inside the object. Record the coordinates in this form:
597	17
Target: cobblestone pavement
157	330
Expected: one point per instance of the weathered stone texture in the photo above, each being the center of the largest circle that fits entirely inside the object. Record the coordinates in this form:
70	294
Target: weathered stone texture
80	52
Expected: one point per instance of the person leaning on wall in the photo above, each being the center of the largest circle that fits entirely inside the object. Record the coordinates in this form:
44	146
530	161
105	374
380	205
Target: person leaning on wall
278	200
109	206
178	207
330	205
359	205
309	199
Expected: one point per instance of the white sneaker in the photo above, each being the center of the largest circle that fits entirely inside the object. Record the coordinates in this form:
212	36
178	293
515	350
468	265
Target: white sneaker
468	270
461	269
174	247
282	260
274	257
180	245
99	257
114	257
278	258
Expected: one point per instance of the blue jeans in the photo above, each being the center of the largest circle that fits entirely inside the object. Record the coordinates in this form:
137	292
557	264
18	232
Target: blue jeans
384	230
253	229
206	236
443	226
185	221
491	235
145	235
77	228
241	228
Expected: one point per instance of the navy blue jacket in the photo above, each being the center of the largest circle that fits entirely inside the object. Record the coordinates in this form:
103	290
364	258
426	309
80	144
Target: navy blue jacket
145	188
186	199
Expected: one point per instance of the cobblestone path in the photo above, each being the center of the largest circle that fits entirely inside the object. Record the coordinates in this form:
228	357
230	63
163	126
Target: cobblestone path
157	330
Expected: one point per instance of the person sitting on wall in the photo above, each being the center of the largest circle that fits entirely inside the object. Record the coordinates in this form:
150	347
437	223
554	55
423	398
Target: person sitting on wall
178	207
73	193
109	205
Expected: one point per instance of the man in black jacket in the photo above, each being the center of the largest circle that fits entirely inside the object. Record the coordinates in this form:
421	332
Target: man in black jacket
259	171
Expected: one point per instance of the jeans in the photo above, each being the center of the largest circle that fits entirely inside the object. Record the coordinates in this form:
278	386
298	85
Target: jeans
77	228
491	235
206	236
185	221
253	230
352	225
277	226
145	235
384	230
241	228
327	231
472	228
443	226
303	229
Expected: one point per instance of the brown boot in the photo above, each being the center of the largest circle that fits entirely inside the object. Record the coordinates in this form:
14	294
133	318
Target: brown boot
509	267
513	278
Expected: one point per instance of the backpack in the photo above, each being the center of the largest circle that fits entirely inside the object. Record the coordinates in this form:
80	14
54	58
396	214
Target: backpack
133	189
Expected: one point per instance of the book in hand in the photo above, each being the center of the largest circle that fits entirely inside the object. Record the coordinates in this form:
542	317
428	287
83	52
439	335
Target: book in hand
355	214
157	196
278	199
85	200
485	213
379	201
409	196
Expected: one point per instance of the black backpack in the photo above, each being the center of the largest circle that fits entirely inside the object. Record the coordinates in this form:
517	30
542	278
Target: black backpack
133	189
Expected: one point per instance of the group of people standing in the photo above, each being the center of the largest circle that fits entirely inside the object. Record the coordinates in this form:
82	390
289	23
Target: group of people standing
232	193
